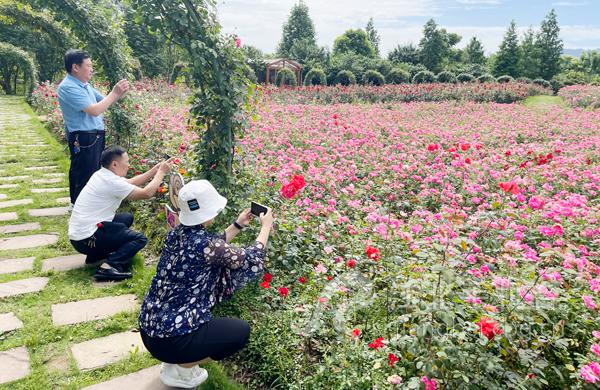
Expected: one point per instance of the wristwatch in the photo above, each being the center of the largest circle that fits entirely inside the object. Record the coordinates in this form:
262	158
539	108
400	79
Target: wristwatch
237	225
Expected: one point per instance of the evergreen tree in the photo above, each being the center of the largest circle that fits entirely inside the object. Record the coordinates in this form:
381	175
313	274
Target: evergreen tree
550	46
373	35
474	53
530	57
353	41
433	46
299	27
508	57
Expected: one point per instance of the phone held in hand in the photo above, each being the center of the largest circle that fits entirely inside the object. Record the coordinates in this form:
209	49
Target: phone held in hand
257	209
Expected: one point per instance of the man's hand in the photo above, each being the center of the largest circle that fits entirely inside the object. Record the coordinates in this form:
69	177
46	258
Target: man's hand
245	218
165	166
120	88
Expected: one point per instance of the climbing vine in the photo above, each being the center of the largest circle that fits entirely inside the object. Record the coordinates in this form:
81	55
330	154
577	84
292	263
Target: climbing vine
15	62
218	70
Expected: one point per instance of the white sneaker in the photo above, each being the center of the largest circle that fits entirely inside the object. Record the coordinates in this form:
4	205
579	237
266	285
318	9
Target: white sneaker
187	378
70	208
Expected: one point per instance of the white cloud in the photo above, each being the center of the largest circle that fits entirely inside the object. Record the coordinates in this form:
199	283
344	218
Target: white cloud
480	2
570	3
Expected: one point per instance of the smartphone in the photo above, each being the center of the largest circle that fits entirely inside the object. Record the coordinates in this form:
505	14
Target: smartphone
257	209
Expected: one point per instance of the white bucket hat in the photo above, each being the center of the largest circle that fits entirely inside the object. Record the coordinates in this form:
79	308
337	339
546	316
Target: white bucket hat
199	202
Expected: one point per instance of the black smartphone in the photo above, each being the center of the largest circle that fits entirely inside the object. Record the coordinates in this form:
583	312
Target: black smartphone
257	209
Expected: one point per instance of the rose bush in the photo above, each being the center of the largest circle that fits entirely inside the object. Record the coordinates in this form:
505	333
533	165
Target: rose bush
585	96
422	245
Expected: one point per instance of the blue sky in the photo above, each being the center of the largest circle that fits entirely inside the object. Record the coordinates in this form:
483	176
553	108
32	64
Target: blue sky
259	22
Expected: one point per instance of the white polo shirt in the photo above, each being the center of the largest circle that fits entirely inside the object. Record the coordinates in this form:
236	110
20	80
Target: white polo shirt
97	202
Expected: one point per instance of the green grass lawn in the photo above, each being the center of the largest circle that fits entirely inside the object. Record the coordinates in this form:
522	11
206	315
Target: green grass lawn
52	366
544	101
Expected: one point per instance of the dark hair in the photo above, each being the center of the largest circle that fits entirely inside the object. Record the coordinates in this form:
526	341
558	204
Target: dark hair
74	56
110	154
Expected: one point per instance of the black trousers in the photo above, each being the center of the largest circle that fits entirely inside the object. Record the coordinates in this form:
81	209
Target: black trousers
85	158
217	339
114	241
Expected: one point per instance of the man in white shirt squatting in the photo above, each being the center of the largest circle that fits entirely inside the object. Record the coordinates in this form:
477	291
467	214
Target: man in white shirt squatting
94	228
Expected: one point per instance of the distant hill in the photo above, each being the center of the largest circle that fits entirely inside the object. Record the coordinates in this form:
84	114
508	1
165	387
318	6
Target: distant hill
575	52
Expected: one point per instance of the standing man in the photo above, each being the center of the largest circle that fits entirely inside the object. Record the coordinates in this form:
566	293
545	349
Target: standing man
82	108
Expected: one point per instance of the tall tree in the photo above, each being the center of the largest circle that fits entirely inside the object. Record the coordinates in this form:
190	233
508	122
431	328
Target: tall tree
299	27
353	41
550	46
509	55
433	46
373	35
474	53
530	57
405	53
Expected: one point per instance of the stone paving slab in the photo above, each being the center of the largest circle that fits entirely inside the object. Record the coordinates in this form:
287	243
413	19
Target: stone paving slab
146	379
16	202
44	190
10	266
11	216
41	168
65	200
22	286
47	181
2	196
30	241
100	352
9	322
64	263
57	174
15	364
23	227
13	178
7	186
48	212
92	309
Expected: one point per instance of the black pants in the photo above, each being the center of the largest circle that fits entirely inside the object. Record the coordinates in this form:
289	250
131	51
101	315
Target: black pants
114	241
85	159
217	339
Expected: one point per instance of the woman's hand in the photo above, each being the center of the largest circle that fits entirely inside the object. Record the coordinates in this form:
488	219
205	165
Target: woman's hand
245	218
266	219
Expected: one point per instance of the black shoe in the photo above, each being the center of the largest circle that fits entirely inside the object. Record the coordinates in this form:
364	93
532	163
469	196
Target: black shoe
111	273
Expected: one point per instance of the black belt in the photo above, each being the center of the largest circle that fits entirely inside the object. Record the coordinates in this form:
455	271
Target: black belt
86	132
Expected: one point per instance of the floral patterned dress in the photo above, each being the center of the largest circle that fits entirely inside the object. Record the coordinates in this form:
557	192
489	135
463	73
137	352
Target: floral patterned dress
196	270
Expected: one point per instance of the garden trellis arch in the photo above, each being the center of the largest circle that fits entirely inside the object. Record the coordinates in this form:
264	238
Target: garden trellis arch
12	61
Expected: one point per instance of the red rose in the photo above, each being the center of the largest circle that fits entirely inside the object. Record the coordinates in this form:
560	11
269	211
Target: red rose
302	279
351	263
489	328
377	343
432	147
265	285
288	191
392	359
298	182
284	291
99	225
372	253
267	277
355	332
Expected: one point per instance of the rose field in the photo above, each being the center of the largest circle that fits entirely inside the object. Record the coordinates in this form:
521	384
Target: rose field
441	241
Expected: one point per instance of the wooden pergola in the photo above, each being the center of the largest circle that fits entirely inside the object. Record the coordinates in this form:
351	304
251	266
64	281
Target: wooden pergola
279	63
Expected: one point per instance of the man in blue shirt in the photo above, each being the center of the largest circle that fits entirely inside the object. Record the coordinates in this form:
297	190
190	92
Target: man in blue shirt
82	108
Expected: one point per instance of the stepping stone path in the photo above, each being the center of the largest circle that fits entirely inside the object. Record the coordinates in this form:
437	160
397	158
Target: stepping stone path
12	203
2	196
47	181
15	364
66	200
23	242
24	227
92	309
8	186
100	352
16	265
41	168
146	379
63	263
22	286
9	322
49	212
8	216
